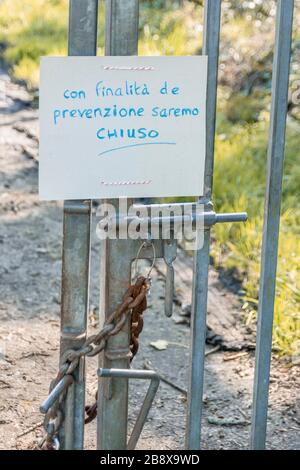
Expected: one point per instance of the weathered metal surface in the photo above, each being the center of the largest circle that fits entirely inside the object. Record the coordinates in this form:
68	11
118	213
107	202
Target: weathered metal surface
121	26
121	38
83	17
76	249
271	221
212	12
115	278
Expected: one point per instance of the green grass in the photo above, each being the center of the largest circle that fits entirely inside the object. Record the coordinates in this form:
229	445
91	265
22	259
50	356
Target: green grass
32	28
239	184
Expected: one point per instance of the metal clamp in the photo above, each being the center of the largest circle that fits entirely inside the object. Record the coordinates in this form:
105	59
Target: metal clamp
148	400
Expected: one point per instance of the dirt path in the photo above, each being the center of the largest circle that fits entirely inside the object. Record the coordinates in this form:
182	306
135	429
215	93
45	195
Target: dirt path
30	246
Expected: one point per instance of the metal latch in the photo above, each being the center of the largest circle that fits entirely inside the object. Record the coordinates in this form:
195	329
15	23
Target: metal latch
148	400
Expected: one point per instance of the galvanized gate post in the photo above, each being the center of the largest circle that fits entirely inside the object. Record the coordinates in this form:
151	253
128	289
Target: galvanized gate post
76	250
121	38
212	15
284	27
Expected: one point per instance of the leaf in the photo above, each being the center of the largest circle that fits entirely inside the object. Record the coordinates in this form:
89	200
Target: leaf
160	344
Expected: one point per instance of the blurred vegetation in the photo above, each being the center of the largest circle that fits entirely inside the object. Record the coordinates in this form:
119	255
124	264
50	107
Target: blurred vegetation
32	28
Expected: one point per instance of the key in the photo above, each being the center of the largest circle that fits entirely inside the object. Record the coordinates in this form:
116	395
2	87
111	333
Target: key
170	249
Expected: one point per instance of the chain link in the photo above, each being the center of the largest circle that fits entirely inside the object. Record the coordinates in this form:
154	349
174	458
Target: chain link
133	305
136	328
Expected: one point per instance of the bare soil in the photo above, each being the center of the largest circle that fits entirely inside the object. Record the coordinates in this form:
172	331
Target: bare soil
30	247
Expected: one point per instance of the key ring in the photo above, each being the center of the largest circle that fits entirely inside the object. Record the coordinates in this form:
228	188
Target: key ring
143	245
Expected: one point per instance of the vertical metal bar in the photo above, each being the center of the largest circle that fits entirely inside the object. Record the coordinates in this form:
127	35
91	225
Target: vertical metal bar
113	393
280	83
76	248
83	18
211	39
212	14
121	27
121	38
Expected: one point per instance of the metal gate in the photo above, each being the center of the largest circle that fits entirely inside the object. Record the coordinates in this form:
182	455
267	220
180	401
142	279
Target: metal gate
121	38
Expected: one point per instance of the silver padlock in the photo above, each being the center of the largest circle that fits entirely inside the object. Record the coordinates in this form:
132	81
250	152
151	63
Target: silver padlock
170	250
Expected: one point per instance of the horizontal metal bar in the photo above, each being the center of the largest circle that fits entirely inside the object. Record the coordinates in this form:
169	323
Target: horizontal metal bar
148	400
62	385
207	218
77	207
231	217
129	374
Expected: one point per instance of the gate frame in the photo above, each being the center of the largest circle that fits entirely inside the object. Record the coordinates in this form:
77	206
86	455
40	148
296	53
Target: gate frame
121	21
83	18
269	254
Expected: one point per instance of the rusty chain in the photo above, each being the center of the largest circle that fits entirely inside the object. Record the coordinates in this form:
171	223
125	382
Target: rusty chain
136	328
134	304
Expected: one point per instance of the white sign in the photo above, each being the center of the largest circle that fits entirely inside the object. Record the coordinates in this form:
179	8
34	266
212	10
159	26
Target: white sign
122	126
